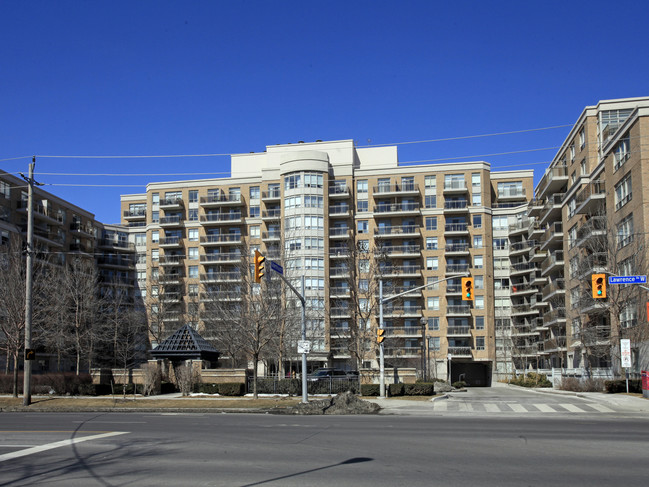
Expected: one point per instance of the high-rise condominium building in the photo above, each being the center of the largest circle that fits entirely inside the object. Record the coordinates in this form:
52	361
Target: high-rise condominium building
345	218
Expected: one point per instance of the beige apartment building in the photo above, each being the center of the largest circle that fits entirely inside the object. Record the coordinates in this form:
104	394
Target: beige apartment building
345	218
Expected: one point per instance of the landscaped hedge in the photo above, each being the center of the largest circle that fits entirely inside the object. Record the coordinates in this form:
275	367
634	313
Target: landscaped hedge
532	379
396	390
619	385
370	390
223	389
59	383
419	389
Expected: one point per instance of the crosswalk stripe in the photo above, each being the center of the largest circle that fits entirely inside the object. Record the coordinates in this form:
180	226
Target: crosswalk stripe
572	408
441	405
518	408
491	408
544	408
601	409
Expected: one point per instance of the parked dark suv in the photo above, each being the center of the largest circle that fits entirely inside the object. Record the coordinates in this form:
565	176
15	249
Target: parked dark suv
327	374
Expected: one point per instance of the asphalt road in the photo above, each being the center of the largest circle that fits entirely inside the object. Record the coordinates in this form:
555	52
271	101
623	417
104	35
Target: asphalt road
157	449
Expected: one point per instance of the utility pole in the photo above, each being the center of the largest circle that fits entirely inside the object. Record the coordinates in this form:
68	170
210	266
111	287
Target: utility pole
29	354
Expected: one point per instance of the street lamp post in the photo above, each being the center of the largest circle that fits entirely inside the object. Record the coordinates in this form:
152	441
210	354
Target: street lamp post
424	366
383	300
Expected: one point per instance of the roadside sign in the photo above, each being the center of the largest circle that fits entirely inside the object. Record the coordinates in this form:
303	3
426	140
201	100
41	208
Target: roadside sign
303	346
627	279
30	354
625	352
276	267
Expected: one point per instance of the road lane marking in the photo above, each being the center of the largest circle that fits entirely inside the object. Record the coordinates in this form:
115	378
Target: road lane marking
518	408
572	408
601	409
491	408
544	408
57	444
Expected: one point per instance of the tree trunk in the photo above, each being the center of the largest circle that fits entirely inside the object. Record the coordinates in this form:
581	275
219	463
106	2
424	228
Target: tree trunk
15	391
255	361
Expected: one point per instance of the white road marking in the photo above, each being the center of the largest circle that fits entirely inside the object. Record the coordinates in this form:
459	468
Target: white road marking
491	408
572	408
518	408
57	444
601	409
441	405
544	408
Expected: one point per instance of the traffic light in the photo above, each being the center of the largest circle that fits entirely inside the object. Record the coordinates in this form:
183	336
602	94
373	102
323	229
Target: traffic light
259	266
467	289
380	335
599	286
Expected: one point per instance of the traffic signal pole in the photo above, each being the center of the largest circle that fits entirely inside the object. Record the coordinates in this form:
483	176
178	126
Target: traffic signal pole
383	300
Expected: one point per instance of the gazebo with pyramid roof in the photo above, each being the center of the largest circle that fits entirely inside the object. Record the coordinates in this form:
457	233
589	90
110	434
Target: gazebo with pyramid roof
185	344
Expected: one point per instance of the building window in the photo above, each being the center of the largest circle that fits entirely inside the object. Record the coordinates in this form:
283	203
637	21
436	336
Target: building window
479	302
312	180
192	253
362	206
192	234
433	343
431	223
155	217
155	255
432	263
363	246
499	222
572	152
622	152
361	226
475	182
192	290
254	212
477	221
192	214
430	182
431	281
625	232
582	138
433	323
361	186
431	201
477	241
193	271
433	302
255	231
500	243
155	198
140	239
479	343
5	190
479	322
478	282
623	192
155	236
476	199
454	181
254	192
431	243
193	195
478	261
292	182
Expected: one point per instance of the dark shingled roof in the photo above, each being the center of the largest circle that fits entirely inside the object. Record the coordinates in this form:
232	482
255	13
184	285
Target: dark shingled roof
185	344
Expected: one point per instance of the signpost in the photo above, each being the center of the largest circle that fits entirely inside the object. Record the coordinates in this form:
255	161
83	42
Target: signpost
276	267
627	279
625	354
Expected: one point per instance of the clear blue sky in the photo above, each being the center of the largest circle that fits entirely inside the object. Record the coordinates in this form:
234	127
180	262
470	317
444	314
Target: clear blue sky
193	77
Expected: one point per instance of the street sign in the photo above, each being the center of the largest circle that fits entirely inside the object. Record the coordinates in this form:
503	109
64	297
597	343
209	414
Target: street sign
627	279
303	346
30	354
625	352
276	267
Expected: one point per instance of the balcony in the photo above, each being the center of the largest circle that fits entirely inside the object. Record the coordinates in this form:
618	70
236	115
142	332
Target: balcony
171	260
117	245
340	312
396	231
221	239
591	198
458	331
338	272
520	226
556	316
456	249
403	331
552	208
222	258
84	230
522	309
403	352
400	251
401	271
401	311
139	214
457	268
339	211
43	213
216	200
592	264
339	292
214	296
456	206
397	209
269	215
522	289
274	194
512	194
169	242
171	203
553	236
174	278
271	236
458	310
339	191
214	277
554	180
456	229
460	352
339	252
554	262
519	248
339	233
521	268
594	228
221	218
455	187
395	189
124	262
171	221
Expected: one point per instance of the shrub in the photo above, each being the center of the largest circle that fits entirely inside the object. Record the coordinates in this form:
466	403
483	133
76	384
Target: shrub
94	389
419	389
587	385
167	388
396	390
532	379
279	386
460	384
619	385
231	389
370	390
206	388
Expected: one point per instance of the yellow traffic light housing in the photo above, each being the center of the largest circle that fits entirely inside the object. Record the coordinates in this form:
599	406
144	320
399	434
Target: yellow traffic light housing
467	289
259	266
380	335
599	286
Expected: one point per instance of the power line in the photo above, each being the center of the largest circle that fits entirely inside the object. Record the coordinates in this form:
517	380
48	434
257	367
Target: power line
480	155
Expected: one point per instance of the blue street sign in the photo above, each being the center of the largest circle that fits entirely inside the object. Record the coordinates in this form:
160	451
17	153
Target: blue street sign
627	279
276	267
